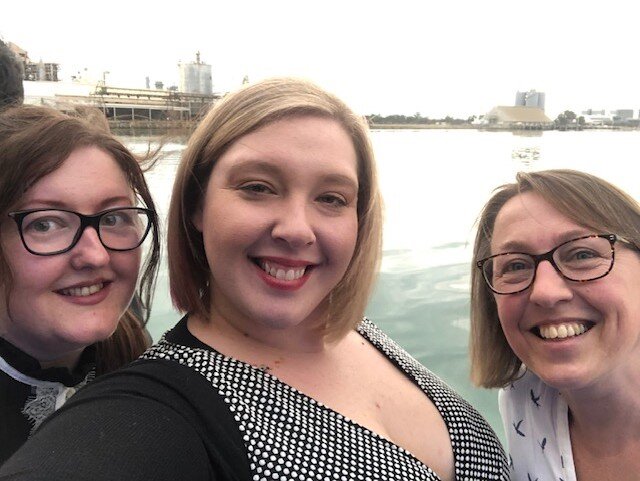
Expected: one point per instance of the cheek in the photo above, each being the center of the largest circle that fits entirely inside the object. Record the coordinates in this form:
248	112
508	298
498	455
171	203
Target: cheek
510	310
34	273
28	271
223	232
127	266
342	237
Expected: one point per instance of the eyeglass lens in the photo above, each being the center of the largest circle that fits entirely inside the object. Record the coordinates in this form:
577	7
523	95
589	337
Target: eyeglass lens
579	260
50	231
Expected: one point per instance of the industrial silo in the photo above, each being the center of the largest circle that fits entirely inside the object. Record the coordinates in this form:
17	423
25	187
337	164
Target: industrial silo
195	77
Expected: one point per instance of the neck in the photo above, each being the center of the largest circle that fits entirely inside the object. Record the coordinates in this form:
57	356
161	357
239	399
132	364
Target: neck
68	360
46	359
218	331
606	419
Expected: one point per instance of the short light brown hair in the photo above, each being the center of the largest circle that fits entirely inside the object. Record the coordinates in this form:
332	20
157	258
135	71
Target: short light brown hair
34	142
237	115
583	198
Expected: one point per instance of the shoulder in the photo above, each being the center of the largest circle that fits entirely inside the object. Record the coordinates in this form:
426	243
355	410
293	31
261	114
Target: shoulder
159	419
155	379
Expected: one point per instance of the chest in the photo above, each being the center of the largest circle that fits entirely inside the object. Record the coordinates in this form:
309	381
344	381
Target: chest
353	421
607	465
368	389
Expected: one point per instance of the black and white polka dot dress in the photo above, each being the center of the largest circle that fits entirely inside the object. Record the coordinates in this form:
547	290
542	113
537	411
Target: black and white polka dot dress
290	436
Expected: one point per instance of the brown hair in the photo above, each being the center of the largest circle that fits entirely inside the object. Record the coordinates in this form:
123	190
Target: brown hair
35	141
583	198
235	116
11	88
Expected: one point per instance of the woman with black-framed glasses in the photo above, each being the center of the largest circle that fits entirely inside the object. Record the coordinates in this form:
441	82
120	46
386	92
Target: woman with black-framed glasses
74	212
555	322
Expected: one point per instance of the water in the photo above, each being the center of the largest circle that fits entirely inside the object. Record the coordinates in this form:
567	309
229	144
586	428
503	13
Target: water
434	183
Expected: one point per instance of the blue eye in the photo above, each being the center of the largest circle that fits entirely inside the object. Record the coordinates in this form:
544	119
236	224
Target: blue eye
256	189
332	200
584	254
515	266
44	225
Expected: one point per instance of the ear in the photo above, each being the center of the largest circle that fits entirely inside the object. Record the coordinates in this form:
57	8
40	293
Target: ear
196	218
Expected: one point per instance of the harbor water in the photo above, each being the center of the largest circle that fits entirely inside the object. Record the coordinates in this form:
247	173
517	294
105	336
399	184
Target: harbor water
434	183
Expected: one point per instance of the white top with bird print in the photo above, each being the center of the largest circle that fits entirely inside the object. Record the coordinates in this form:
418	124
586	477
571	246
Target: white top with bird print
536	420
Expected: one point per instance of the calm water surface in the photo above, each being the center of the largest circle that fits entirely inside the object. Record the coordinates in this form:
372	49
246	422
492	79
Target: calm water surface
434	184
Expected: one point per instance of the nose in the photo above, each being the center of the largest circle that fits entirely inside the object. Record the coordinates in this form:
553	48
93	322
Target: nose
293	224
89	251
549	287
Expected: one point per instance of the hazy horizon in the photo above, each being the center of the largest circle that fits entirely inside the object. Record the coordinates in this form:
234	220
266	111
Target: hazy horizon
458	58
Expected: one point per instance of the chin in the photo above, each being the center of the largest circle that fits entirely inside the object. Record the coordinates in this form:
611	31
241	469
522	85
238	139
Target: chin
98	333
279	323
284	320
564	378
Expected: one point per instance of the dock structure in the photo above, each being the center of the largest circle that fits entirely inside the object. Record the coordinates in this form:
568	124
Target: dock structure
133	105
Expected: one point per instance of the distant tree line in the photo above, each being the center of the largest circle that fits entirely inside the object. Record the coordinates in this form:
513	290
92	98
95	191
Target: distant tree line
569	117
415	119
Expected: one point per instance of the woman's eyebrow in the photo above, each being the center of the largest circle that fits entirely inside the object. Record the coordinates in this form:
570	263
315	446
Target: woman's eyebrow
341	180
524	246
58	204
254	164
258	165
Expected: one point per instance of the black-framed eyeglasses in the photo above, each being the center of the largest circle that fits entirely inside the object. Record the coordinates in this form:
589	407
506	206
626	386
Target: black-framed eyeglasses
47	232
583	259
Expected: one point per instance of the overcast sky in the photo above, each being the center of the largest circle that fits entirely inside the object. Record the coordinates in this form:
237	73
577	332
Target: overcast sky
458	57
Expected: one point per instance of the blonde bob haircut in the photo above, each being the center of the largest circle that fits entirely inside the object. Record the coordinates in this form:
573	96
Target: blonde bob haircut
239	114
583	198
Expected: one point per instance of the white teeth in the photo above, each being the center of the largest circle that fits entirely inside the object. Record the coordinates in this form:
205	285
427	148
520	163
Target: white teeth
82	291
562	331
282	274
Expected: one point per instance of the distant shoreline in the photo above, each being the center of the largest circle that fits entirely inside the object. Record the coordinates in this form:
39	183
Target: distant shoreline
186	127
421	126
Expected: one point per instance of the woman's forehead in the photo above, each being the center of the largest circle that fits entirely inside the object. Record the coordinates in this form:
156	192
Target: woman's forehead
528	219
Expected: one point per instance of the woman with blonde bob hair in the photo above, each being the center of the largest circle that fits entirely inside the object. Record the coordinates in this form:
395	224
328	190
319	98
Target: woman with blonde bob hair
555	322
235	117
274	236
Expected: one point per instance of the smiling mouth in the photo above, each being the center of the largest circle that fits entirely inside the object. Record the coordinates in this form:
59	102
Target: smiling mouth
563	330
82	291
280	272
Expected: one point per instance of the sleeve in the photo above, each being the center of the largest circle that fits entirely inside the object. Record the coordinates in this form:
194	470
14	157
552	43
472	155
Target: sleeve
130	426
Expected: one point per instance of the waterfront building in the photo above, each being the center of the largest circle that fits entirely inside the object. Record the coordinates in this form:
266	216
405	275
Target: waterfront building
35	71
596	117
593	112
195	77
518	117
122	106
530	99
622	114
